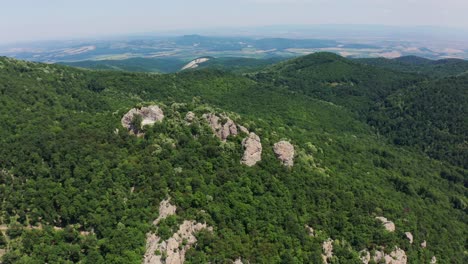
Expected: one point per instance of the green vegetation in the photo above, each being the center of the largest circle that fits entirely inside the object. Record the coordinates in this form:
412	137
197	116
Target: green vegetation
430	68
66	169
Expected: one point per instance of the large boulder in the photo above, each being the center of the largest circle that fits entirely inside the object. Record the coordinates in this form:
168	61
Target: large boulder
285	153
149	115
252	150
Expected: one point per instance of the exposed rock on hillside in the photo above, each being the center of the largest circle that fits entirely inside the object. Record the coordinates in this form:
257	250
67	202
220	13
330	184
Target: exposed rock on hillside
389	225
310	230
222	131
252	150
424	244
433	260
149	115
165	209
409	236
195	63
397	256
171	251
285	153
327	247
238	261
190	117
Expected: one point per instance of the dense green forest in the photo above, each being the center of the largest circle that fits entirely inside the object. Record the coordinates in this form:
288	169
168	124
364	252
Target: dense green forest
76	187
171	65
427	67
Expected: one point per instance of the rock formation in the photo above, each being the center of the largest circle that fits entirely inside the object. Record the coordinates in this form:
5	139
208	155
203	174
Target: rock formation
433	260
252	150
222	131
327	248
190	117
149	115
397	256
364	255
409	236
285	153
171	251
389	225
310	231
238	261
424	244
165	209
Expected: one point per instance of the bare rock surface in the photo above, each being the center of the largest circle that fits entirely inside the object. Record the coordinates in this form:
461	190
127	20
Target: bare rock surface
397	256
327	248
409	236
389	225
252	150
310	231
238	261
424	244
285	153
365	256
222	131
243	129
149	115
433	260
172	250
165	209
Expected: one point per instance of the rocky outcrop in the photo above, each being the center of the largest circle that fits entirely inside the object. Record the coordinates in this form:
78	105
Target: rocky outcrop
165	209
190	117
172	250
433	260
424	244
243	129
389	225
195	63
238	261
365	257
285	153
252	150
310	231
409	236
149	115
222	131
327	248
397	256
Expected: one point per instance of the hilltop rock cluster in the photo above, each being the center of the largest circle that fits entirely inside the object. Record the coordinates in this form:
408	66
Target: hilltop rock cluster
149	115
222	127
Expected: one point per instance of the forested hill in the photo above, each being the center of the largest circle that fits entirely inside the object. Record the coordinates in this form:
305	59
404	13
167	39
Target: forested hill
78	187
411	109
427	67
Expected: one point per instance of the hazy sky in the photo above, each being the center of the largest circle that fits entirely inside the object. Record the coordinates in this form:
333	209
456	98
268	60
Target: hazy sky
52	19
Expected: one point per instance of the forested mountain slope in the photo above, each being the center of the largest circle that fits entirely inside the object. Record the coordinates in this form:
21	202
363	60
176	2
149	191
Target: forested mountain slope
411	109
430	68
75	186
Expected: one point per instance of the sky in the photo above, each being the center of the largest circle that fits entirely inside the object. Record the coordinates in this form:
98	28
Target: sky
29	20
